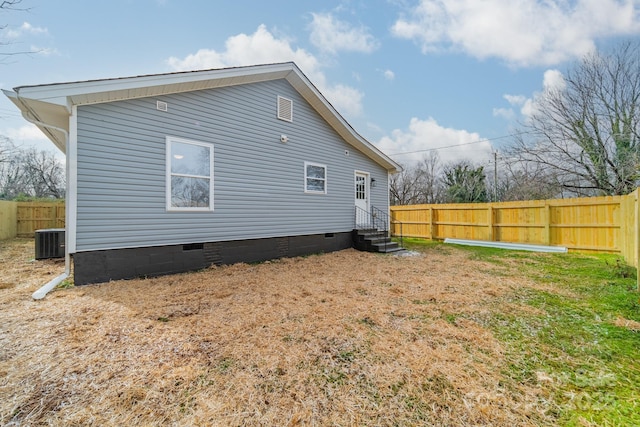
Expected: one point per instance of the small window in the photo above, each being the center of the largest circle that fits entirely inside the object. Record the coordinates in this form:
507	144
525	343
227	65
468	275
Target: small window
189	175
315	178
285	109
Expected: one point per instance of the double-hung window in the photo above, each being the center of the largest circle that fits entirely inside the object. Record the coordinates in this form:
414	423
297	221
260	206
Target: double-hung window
189	175
315	178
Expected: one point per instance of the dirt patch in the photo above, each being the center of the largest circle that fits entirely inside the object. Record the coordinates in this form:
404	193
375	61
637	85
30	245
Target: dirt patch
632	325
346	338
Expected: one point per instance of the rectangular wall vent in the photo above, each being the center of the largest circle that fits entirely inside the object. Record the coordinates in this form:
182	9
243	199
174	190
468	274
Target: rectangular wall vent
193	247
162	106
285	109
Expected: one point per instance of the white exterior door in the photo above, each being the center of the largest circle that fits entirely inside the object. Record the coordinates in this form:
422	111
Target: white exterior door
362	192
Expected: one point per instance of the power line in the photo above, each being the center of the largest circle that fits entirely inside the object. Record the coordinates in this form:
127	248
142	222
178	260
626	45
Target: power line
460	145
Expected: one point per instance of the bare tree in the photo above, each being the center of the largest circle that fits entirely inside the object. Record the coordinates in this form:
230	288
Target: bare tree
10	170
587	132
418	183
6	6
29	172
527	181
403	186
10	4
6	149
44	174
431	188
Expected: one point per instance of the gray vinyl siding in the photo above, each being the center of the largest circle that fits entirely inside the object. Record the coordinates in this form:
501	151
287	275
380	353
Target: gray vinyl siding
258	180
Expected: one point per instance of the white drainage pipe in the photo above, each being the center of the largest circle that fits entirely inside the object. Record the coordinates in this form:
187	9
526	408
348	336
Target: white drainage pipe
43	291
512	246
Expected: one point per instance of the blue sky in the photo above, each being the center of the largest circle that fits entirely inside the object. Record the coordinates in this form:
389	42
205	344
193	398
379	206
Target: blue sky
409	75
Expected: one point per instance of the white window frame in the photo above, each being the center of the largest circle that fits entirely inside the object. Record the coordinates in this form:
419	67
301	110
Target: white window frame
169	174
326	178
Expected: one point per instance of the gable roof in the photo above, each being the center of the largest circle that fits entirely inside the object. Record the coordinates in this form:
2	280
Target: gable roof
49	106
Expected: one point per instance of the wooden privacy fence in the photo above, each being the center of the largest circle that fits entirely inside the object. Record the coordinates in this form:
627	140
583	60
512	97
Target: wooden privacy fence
8	215
32	216
596	224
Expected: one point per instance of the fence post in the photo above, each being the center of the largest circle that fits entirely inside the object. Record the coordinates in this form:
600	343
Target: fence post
490	218
547	223
636	236
431	222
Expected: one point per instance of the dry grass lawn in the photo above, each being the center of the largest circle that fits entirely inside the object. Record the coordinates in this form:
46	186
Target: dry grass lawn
346	338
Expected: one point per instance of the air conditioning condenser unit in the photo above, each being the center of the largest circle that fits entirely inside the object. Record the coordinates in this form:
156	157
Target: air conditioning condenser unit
50	243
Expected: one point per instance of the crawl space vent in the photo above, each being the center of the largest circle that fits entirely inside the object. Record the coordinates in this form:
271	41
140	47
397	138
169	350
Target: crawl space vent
162	106
285	109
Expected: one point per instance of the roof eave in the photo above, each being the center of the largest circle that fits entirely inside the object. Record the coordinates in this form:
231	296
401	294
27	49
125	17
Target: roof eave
109	90
49	118
313	96
51	104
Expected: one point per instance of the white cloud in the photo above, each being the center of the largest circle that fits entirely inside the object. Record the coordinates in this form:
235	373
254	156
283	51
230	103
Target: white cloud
515	100
375	128
12	34
331	35
25	134
44	51
529	107
25	28
344	98
522	33
389	75
427	134
203	58
262	47
28	28
551	80
505	113
30	136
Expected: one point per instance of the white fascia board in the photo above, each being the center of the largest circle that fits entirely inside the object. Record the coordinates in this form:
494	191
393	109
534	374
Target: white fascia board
97	91
9	94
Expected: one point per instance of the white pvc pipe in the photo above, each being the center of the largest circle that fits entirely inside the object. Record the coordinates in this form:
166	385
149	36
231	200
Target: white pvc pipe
512	246
43	291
